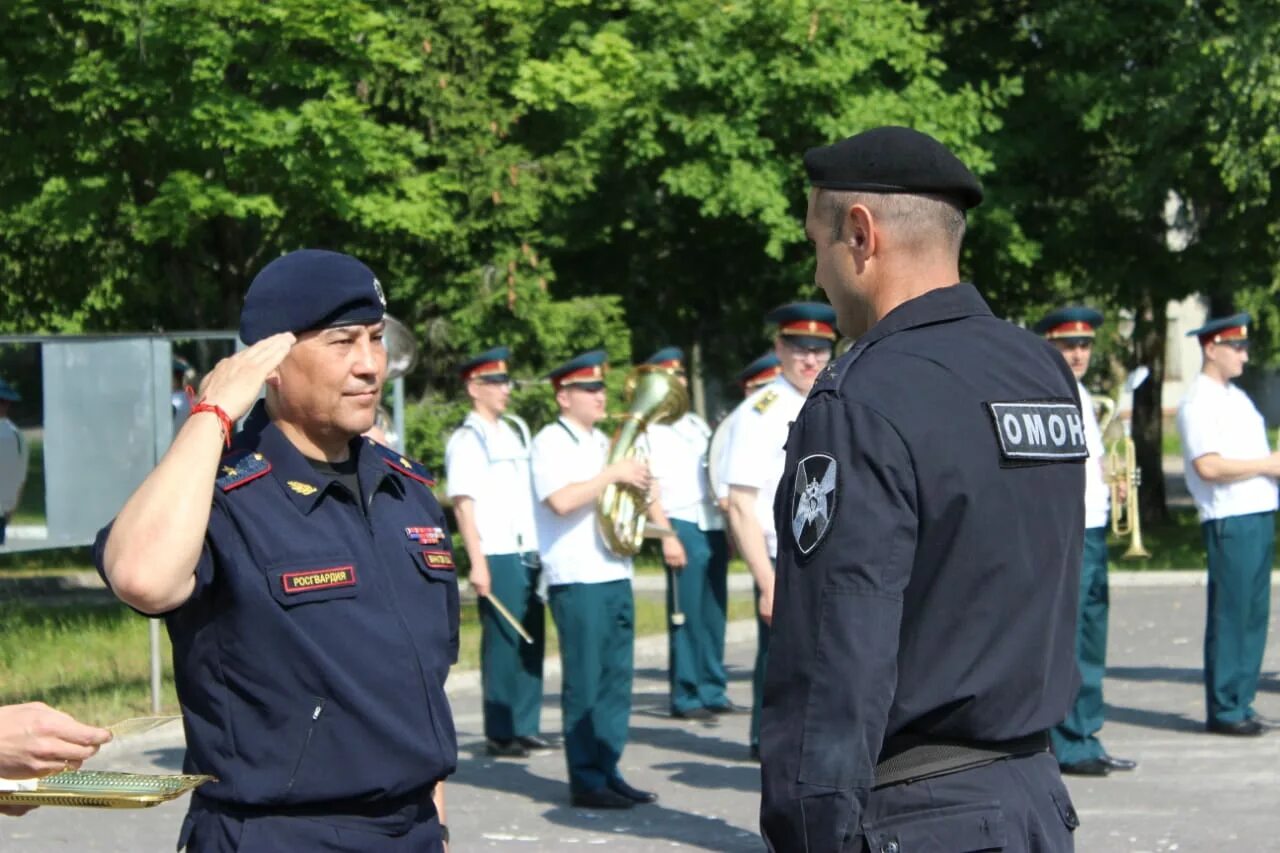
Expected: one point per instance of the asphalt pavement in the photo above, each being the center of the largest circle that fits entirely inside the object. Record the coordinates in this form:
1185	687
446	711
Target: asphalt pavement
1191	792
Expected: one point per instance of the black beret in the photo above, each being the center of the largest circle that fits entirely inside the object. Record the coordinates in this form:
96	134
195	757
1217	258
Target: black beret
310	289
893	160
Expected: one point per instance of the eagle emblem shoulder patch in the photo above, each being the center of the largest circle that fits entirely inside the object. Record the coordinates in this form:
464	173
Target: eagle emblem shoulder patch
814	502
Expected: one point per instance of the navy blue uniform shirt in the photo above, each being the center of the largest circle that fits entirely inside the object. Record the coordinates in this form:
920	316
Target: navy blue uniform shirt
929	537
310	661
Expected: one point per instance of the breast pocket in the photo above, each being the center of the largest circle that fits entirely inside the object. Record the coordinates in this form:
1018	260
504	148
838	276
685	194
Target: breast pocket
949	829
314	580
436	563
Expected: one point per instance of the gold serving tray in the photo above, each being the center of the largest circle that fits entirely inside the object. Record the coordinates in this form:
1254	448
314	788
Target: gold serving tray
103	789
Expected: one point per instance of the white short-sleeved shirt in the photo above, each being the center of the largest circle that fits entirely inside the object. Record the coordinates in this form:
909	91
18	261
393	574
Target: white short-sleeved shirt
1217	418
757	453
571	546
1097	495
678	461
489	463
13	464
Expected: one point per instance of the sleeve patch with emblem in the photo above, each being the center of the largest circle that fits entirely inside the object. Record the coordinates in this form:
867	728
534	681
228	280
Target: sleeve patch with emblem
815	500
239	468
1038	431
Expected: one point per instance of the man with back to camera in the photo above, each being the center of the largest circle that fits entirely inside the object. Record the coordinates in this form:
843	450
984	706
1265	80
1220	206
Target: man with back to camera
588	587
1071	331
487	464
754	461
1231	473
929	535
306	580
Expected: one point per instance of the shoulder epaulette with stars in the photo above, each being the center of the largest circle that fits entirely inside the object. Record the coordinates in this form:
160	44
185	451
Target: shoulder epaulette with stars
239	467
403	464
767	399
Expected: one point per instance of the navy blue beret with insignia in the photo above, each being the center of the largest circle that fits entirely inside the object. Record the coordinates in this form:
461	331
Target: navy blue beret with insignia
1074	322
893	160
7	392
1233	328
585	371
488	366
760	371
310	289
672	357
806	324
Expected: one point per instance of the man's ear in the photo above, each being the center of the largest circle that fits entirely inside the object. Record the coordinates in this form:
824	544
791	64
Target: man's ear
273	378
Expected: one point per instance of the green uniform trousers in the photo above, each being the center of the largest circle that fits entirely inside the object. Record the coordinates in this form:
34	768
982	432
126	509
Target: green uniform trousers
596	623
695	650
757	674
510	668
1075	740
1241	549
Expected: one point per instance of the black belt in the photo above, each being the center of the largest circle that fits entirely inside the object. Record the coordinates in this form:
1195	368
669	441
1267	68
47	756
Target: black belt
387	807
911	758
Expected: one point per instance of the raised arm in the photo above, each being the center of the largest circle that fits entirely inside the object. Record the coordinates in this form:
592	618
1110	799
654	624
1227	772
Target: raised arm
155	542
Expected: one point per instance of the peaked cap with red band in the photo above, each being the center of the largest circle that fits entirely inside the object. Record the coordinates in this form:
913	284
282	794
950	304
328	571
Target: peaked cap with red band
1224	329
807	324
585	371
488	366
1074	322
760	371
669	357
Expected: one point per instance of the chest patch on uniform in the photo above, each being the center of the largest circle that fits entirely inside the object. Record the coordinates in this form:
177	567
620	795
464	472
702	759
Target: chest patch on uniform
814	504
438	560
1038	431
425	535
308	580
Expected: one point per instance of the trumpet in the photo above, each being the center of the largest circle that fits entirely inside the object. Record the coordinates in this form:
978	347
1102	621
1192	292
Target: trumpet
1126	519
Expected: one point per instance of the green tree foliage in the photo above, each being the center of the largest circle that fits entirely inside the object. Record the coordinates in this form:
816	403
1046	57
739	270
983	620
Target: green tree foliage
1138	157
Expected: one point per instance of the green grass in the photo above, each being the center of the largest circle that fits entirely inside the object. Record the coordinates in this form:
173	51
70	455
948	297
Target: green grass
93	660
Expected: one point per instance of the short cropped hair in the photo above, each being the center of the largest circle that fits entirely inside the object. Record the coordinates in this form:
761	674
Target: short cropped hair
920	221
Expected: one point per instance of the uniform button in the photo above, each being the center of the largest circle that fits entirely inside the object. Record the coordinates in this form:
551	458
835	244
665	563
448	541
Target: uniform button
889	847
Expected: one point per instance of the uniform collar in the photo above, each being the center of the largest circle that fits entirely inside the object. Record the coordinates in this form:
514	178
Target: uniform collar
940	305
302	483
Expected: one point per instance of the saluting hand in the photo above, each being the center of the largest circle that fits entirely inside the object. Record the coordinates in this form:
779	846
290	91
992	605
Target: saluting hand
235	382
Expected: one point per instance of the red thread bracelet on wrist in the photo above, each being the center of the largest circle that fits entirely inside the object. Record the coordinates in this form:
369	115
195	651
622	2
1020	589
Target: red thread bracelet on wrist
223	420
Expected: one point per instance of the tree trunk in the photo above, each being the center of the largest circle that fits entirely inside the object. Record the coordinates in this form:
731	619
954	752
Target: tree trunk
1151	325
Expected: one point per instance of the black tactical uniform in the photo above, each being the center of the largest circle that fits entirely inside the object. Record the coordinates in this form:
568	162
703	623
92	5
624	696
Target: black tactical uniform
929	538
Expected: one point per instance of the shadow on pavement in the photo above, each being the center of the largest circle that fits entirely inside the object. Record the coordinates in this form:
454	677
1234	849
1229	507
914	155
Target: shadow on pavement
1154	719
692	741
697	774
1176	674
169	758
655	822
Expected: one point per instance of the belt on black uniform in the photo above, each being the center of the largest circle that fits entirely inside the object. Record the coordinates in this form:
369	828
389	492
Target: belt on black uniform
386	810
912	758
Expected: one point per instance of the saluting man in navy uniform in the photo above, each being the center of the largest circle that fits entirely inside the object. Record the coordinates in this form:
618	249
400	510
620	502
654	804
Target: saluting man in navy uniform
489	480
929	534
697	558
1231	473
306	579
759	371
756	455
588	587
1071	330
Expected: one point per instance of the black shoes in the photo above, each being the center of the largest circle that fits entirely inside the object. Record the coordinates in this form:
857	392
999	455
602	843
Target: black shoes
506	748
1117	763
728	708
693	714
533	743
635	795
1088	767
601	798
1244	728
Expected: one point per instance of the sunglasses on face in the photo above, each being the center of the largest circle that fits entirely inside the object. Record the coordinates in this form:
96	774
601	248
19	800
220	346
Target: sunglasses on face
1238	346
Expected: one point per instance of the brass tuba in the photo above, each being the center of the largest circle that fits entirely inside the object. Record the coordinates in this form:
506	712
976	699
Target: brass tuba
654	395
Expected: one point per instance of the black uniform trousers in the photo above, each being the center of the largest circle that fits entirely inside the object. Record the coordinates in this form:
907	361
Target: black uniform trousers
1018	805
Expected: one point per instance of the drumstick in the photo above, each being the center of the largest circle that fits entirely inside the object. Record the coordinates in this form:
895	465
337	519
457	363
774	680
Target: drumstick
506	614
